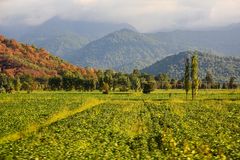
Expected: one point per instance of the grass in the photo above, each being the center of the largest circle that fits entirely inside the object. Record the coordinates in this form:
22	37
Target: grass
75	125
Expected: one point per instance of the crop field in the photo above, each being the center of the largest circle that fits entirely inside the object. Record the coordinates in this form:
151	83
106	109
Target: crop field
160	125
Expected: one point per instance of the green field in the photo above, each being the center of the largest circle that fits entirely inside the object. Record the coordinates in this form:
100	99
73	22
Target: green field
161	125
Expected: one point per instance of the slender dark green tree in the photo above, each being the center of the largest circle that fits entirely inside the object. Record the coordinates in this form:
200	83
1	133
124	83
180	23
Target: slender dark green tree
187	84
231	84
194	75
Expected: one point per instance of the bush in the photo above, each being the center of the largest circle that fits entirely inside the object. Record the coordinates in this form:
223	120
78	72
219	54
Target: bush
148	87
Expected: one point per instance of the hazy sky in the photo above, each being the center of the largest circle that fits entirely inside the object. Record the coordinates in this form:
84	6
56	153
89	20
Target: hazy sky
145	15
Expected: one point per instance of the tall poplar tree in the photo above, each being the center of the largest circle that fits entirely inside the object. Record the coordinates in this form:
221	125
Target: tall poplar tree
187	77
194	75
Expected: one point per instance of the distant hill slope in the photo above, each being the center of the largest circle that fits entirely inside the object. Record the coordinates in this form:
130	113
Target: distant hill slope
222	68
61	44
123	50
222	40
19	59
60	36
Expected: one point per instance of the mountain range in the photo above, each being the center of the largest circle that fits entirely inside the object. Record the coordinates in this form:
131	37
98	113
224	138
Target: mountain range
18	59
59	36
126	49
221	68
120	46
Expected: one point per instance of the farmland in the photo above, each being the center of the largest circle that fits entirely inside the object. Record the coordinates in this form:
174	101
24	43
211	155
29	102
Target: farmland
162	125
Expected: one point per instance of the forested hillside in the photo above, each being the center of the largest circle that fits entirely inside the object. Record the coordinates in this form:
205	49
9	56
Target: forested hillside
222	68
125	50
122	50
18	59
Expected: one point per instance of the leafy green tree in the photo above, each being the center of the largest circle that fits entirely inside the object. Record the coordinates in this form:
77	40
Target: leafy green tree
105	89
124	83
108	78
194	75
55	83
163	79
2	90
6	84
168	86
173	83
231	84
180	84
135	83
209	79
89	84
187	84
9	86
136	73
78	83
224	86
148	87
100	81
41	82
68	83
3	81
26	87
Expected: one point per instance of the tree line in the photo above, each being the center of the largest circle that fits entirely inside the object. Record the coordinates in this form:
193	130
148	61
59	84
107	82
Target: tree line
109	80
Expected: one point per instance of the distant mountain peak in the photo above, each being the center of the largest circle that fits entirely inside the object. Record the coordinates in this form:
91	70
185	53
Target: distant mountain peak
128	30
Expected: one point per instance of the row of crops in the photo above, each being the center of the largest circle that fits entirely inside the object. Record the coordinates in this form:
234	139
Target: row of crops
125	126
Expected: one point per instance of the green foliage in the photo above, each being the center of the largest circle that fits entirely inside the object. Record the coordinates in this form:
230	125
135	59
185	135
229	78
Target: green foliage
168	86
55	83
124	83
68	83
231	84
163	81
17	84
9	87
105	89
6	84
187	83
108	78
27	87
3	80
209	79
148	87
135	83
194	76
89	84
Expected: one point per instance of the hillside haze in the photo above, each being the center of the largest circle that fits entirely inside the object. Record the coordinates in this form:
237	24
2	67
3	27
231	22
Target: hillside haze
222	68
221	40
125	50
60	36
120	46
